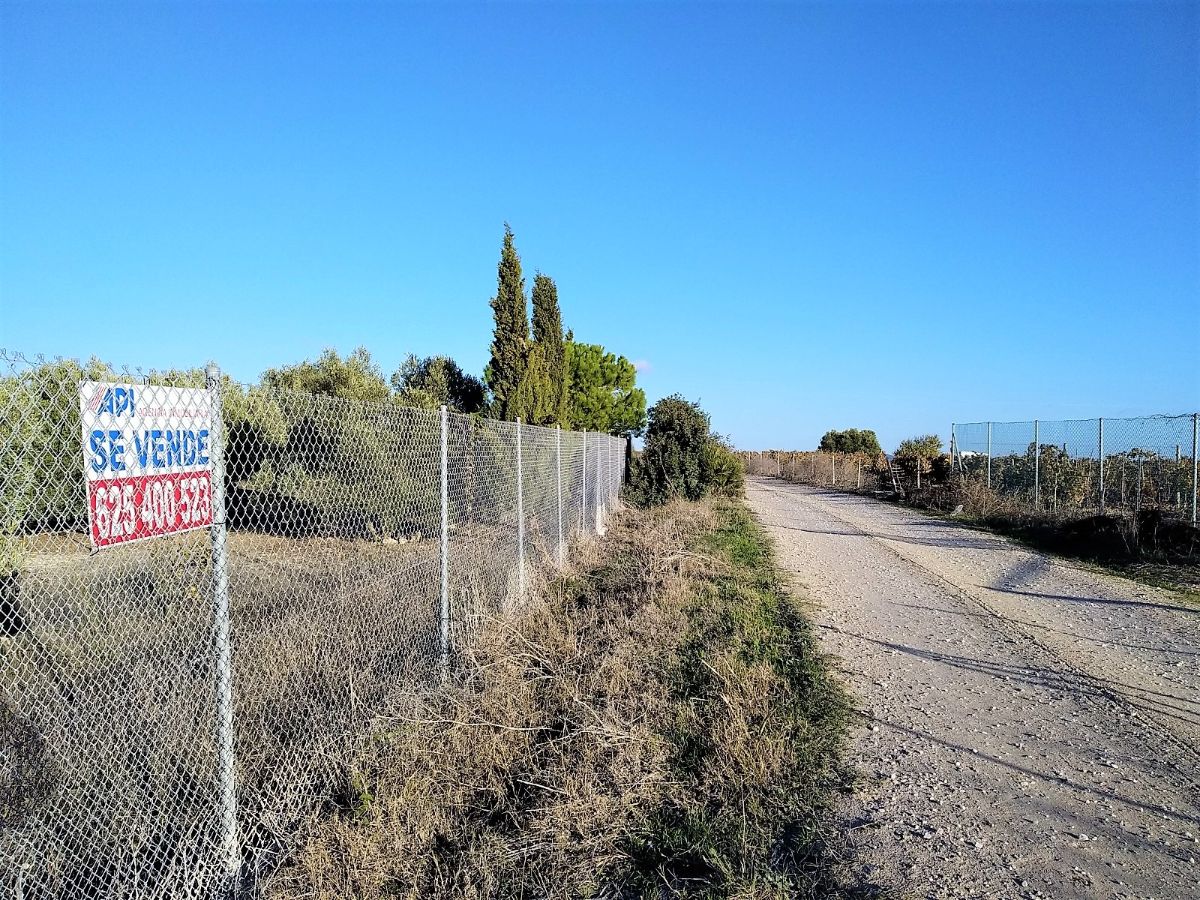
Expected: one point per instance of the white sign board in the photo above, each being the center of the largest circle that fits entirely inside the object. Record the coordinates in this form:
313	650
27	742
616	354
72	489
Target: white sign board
146	459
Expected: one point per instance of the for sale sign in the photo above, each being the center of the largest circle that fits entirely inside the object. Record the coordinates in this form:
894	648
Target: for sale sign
146	451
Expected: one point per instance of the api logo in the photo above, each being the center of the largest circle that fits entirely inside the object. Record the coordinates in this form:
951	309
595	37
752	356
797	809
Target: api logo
117	400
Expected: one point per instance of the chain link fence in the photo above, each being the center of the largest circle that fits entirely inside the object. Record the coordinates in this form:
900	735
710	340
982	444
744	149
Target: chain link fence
1122	467
1086	466
845	471
174	708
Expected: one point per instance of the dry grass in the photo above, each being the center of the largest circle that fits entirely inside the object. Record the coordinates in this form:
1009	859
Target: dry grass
657	723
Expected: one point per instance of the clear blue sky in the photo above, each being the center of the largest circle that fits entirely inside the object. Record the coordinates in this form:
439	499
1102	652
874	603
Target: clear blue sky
806	216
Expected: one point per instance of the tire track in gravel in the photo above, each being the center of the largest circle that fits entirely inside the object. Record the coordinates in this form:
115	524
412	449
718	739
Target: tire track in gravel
1030	726
1131	696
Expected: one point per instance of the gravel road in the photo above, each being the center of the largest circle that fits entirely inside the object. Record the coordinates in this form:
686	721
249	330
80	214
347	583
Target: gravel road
1029	728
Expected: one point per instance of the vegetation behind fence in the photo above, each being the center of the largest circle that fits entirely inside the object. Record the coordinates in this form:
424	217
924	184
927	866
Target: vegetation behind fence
1085	466
363	544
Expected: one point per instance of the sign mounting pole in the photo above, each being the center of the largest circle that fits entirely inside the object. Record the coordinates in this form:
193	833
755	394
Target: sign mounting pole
226	766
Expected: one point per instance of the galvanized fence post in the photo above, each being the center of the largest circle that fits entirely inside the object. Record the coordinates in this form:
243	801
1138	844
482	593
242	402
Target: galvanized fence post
1175	479
1037	464
558	476
601	484
1100	453
1137	501
520	519
609	480
989	459
222	648
833	468
444	614
1195	463
598	502
583	513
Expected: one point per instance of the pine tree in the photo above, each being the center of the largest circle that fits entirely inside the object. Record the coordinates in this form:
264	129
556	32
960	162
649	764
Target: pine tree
603	395
510	340
549	385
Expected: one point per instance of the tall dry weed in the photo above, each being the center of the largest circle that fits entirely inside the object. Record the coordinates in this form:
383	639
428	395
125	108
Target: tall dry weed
525	776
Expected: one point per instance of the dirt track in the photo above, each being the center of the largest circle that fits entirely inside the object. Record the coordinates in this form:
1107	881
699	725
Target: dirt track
1029	729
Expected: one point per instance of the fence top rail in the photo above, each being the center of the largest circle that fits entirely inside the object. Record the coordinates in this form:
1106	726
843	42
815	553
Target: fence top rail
1113	419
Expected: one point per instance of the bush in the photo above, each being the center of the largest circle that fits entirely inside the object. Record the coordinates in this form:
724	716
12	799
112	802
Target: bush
722	470
683	458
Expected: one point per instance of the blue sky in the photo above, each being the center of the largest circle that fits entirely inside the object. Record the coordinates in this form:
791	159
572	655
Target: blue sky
806	216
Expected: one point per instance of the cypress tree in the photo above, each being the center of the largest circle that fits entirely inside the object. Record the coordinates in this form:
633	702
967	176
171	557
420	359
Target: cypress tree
510	339
550	386
529	403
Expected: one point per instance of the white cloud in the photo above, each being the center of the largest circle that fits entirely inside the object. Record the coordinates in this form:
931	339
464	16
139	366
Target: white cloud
642	365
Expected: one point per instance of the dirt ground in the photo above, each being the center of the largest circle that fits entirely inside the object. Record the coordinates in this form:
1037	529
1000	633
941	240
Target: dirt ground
1029	728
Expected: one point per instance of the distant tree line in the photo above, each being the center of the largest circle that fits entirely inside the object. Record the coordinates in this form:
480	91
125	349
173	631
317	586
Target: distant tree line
541	376
547	377
295	460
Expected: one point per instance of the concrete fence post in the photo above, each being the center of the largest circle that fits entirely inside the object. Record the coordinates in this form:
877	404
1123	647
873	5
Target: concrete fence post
444	611
222	647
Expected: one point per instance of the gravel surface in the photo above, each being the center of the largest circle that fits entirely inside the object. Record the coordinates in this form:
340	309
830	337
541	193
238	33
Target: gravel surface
1029	727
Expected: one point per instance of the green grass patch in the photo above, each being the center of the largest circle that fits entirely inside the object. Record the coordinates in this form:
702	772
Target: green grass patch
757	731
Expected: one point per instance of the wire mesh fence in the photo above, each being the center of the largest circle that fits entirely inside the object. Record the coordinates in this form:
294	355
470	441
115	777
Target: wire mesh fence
192	660
1122	467
844	471
1087	466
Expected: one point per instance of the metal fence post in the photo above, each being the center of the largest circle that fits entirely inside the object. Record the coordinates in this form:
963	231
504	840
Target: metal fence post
989	460
833	468
1100	453
601	483
520	519
1195	465
222	648
558	475
608	475
583	513
1037	464
598	504
444	614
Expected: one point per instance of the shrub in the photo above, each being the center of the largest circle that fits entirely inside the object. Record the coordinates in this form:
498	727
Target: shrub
722	470
682	458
